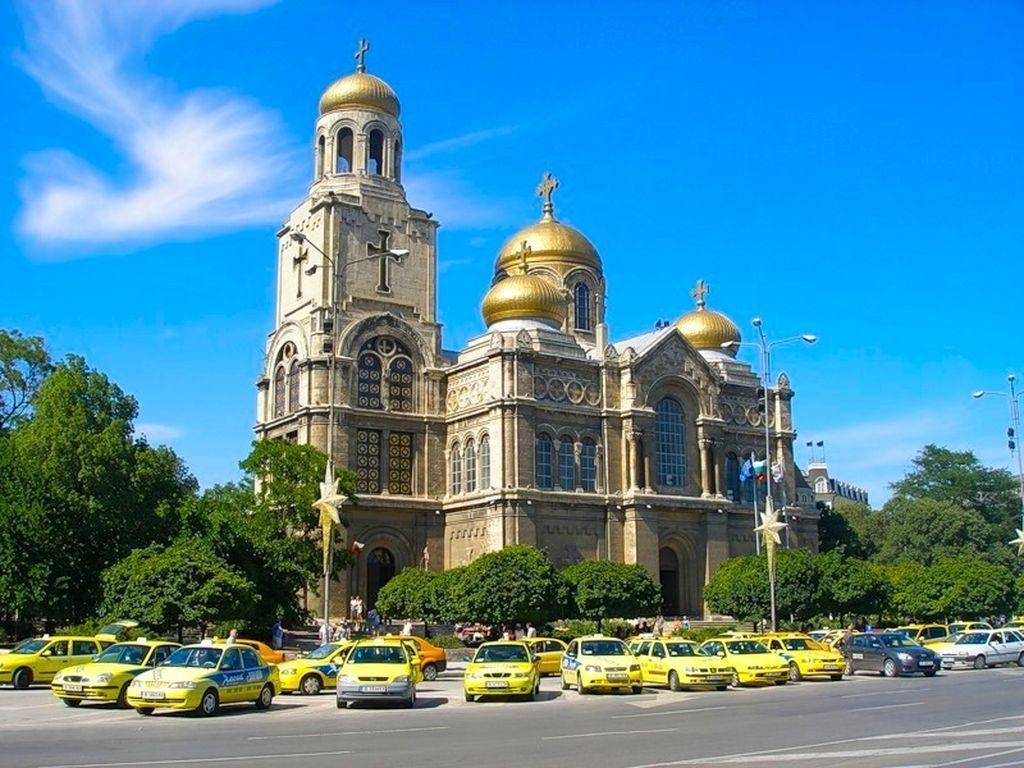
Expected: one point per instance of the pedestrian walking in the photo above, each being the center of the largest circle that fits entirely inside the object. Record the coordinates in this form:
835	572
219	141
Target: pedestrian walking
407	628
277	635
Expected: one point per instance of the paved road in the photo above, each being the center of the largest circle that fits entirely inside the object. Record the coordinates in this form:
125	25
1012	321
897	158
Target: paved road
969	719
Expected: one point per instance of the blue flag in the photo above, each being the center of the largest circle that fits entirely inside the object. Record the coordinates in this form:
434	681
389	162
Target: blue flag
746	471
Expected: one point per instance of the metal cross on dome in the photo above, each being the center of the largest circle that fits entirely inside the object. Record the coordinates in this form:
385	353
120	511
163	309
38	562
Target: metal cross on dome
523	254
699	292
361	55
548	184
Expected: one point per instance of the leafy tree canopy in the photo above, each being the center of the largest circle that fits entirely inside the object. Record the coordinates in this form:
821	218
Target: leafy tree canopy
600	589
24	363
517	583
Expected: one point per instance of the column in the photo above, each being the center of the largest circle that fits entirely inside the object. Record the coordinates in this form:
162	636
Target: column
633	436
705	468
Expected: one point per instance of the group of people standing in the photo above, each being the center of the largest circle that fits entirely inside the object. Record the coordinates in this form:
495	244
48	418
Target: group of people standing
354	624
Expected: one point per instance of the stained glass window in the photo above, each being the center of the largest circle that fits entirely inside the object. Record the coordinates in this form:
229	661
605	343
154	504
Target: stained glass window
279	392
543	460
368	465
566	465
400	463
385	376
670	434
456	469
293	385
588	466
470	466
485	462
368	395
400	385
581	301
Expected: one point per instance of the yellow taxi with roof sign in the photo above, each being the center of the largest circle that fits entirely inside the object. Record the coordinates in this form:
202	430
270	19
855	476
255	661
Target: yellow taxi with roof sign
677	663
37	660
378	669
502	668
107	678
749	660
597	662
806	657
316	670
202	677
548	652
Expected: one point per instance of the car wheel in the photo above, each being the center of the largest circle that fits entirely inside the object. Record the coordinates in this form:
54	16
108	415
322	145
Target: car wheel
979	662
310	685
735	679
469	697
209	703
266	697
794	672
122	697
22	678
579	685
930	672
673	682
565	685
341	704
411	701
146	711
1020	659
637	689
889	668
721	687
72	702
836	677
430	672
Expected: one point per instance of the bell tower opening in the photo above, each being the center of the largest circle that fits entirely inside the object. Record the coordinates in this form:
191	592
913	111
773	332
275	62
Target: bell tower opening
375	153
344	160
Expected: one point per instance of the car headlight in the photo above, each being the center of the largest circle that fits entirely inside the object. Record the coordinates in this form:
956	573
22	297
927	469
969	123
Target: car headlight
690	670
135	684
592	668
904	656
287	670
188	684
104	678
473	675
634	667
401	679
347	679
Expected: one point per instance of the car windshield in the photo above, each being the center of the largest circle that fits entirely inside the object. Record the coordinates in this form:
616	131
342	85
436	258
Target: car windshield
323	651
204	657
973	638
684	649
501	653
30	646
896	641
376	654
603	648
113	629
123	653
799	644
743	647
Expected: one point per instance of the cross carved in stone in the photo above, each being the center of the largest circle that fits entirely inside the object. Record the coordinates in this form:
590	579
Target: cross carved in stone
386	256
361	55
548	184
699	292
297	261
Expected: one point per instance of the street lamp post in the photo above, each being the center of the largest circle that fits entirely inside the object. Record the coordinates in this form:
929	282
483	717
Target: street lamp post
398	253
769	524
1013	433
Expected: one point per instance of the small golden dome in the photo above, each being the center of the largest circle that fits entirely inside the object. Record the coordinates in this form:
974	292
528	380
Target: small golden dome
548	240
523	297
359	90
706	329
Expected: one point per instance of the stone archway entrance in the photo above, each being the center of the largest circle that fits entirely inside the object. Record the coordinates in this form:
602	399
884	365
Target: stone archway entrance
668	573
380	569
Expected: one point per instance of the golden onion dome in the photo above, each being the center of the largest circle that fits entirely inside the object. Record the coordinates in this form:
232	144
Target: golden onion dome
706	329
359	90
523	297
548	240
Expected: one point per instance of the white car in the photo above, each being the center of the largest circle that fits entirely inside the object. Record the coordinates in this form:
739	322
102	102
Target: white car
983	648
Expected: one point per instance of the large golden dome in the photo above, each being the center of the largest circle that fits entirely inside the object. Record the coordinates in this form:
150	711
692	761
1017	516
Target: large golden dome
360	90
523	297
548	240
706	329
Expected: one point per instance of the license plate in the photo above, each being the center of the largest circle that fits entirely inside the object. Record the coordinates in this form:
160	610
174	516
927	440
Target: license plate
925	663
617	677
830	667
373	689
716	678
73	687
152	694
495	684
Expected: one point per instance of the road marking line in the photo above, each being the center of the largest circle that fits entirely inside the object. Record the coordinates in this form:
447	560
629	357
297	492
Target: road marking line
348	733
988	757
606	733
184	761
887	706
671	712
860	753
876	693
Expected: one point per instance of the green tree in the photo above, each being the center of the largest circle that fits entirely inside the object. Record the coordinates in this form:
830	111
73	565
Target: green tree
915	594
849	586
517	583
176	587
739	588
601	589
24	364
927	530
973	588
409	595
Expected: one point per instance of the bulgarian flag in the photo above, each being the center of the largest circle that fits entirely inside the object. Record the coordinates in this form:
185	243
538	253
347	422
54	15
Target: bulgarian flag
760	470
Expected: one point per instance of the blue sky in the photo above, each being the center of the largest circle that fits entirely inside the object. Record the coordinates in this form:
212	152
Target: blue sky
853	170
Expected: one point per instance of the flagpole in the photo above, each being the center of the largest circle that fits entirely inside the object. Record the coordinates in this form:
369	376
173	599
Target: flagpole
753	480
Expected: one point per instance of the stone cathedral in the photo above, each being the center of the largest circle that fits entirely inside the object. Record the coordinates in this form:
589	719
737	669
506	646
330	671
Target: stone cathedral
542	430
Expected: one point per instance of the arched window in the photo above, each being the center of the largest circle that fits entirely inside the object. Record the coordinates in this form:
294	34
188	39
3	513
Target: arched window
279	392
670	434
470	466
375	153
732	476
293	385
456	470
485	462
344	161
821	485
543	460
566	464
581	301
588	465
318	163
398	160
384	359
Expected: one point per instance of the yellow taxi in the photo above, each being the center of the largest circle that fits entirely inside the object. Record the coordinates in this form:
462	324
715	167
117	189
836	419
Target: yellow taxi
548	652
919	633
107	678
316	670
202	677
268	654
432	660
115	631
596	662
806	657
959	627
502	668
378	669
749	660
678	663
39	659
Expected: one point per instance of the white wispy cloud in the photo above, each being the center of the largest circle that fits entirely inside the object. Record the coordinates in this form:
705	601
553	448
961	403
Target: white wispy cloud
455	203
156	433
188	156
458	142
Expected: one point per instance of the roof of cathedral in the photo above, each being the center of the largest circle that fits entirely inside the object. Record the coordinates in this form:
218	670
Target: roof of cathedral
706	329
643	342
523	297
360	90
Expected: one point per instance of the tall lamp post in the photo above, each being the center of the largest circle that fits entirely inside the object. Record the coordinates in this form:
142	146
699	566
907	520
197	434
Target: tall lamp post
769	525
329	497
1012	434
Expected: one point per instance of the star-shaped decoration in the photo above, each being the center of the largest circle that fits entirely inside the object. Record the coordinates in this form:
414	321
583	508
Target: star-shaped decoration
1019	542
770	527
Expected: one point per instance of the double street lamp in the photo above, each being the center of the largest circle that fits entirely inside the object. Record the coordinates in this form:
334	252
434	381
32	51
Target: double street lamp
1013	433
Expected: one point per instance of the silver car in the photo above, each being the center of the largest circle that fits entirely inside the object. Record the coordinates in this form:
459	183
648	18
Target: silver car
983	648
